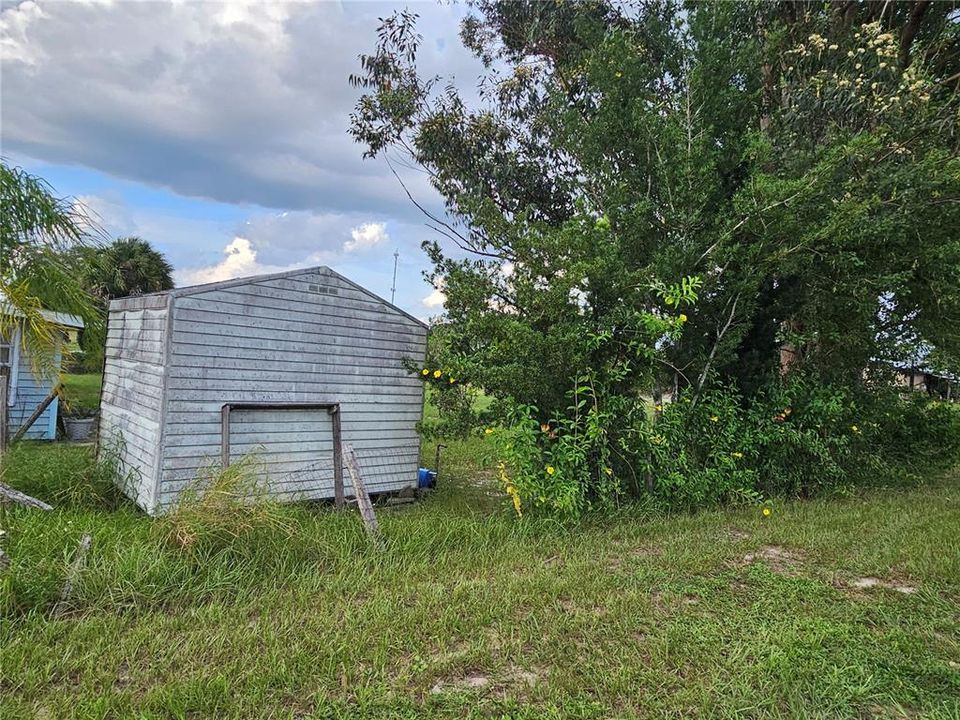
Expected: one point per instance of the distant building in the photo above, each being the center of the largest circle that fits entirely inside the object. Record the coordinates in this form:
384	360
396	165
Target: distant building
923	379
25	390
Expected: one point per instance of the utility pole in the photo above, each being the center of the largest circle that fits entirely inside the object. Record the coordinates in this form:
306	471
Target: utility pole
393	290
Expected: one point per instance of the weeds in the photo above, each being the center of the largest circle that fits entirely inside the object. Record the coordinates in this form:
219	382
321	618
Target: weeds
225	506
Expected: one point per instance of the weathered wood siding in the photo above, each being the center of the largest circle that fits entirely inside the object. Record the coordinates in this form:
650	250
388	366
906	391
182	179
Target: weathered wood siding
310	337
30	392
131	404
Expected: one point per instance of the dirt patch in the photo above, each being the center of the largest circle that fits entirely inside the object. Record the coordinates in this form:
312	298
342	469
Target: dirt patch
870	582
481	682
777	558
890	713
738	534
451	653
471	681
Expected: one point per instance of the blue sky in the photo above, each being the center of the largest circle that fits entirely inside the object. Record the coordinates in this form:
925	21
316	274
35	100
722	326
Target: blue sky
217	131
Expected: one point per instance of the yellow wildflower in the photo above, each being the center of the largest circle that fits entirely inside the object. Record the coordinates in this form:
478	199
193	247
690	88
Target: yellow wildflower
658	408
619	74
437	373
515	497
551	470
426	371
488	431
452	380
714	418
767	512
854	429
683	317
737	455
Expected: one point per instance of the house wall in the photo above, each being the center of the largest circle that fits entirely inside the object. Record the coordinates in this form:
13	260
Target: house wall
131	401
30	392
304	338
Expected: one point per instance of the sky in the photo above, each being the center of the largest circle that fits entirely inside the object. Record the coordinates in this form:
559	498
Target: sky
217	131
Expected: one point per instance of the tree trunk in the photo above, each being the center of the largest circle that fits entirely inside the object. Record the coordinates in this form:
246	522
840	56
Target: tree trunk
909	31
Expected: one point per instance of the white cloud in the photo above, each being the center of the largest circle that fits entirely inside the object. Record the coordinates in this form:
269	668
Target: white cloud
366	236
437	298
240	260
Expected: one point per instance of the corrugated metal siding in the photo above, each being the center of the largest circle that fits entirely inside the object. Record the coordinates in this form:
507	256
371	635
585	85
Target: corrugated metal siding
30	393
308	338
132	397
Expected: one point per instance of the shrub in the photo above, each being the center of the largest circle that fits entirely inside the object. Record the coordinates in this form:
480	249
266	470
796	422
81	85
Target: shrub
798	438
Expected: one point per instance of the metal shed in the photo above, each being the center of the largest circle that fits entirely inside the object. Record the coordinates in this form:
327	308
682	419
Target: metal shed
277	366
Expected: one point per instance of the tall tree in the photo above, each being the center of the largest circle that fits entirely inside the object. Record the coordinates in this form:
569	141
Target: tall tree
801	158
128	266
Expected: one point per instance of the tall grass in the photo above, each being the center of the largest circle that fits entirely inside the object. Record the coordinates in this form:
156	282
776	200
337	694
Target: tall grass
224	507
226	608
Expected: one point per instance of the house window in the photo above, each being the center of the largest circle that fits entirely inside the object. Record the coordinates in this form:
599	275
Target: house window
9	361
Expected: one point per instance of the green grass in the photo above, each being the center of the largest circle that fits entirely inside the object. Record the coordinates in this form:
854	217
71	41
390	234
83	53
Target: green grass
82	391
633	615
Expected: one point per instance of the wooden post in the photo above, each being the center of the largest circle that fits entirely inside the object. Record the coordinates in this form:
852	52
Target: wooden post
360	492
38	411
75	567
7	493
337	458
225	436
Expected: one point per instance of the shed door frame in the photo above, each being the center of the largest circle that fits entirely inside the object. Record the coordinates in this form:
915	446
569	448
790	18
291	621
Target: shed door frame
333	409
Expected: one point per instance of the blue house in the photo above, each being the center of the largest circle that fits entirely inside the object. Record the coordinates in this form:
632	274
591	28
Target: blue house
25	391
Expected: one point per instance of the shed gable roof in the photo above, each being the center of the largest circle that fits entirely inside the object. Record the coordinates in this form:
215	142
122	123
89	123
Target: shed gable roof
321	269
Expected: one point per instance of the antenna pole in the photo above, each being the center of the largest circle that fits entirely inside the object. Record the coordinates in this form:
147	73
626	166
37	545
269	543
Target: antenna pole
393	290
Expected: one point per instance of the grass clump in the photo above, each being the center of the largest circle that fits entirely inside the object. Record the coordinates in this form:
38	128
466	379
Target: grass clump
225	507
63	475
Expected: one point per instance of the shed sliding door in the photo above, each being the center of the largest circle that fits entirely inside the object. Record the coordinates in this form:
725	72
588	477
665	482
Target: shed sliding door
290	451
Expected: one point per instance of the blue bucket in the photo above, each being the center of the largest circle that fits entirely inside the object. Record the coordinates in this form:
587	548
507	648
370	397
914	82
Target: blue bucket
426	478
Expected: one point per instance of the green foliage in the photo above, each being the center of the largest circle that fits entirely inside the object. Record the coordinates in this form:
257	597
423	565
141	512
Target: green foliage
39	234
801	165
128	266
798	438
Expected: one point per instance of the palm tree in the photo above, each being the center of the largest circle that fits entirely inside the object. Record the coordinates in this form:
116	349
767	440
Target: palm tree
129	266
39	234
